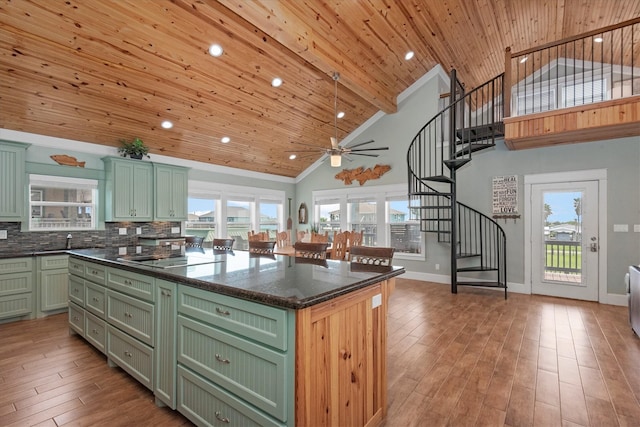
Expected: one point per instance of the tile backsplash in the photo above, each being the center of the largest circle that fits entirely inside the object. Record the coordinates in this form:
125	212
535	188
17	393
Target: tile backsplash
34	241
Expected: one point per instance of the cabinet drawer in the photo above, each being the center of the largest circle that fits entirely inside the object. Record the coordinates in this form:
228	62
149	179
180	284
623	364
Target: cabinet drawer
205	404
131	355
95	299
16	265
252	372
53	262
16	283
76	290
76	267
131	315
258	322
16	305
76	318
134	284
95	272
95	332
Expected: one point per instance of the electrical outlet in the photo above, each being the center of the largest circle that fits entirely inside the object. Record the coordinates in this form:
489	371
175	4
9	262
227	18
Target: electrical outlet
636	228
175	230
122	250
122	231
3	234
437	266
138	230
138	249
376	300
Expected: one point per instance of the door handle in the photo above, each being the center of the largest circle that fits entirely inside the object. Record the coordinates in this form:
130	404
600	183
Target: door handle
594	247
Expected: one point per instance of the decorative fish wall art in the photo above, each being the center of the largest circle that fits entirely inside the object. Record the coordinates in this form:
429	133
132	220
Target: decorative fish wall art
63	159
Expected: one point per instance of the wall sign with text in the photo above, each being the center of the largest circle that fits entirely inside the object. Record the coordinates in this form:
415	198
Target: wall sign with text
505	194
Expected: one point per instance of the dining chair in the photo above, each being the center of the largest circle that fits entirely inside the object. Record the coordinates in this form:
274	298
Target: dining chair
193	242
261	247
320	238
259	236
311	250
223	244
355	238
371	255
300	235
283	239
339	248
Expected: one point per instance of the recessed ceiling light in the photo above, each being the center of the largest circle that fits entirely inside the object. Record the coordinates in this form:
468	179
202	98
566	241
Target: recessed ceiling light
215	50
408	55
167	124
225	139
340	114
292	156
598	40
523	60
276	82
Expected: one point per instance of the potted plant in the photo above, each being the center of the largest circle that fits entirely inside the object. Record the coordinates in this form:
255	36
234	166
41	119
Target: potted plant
134	148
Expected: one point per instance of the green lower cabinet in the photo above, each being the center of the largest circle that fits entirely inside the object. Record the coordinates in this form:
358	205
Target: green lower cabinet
76	318
131	355
206	404
165	379
53	283
16	287
95	331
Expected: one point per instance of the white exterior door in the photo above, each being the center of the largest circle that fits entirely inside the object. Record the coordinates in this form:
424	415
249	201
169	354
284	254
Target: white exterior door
565	240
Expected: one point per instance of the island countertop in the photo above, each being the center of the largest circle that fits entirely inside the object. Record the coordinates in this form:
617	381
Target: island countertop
277	280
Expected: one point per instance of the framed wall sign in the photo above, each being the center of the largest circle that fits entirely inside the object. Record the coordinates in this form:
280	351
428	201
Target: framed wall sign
505	194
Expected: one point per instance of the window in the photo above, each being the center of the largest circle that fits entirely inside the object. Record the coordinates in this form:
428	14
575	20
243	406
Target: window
202	217
362	216
270	216
381	212
404	228
239	220
583	93
61	203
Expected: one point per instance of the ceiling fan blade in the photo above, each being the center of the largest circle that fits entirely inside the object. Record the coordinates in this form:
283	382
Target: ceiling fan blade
362	154
334	143
371	149
361	143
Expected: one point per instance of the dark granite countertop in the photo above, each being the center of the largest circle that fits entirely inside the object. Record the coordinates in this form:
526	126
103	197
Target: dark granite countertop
19	254
276	280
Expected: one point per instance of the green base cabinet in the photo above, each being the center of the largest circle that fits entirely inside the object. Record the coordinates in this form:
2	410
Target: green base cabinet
16	288
165	379
53	283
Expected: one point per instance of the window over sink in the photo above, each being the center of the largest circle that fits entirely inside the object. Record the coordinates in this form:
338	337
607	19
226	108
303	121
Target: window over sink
62	203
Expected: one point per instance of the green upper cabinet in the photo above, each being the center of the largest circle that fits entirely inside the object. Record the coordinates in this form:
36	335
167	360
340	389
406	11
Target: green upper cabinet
128	189
12	180
170	183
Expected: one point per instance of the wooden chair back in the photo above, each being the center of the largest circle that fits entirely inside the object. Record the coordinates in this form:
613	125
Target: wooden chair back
223	244
339	248
193	242
261	247
320	238
259	236
311	250
371	255
300	235
283	239
355	238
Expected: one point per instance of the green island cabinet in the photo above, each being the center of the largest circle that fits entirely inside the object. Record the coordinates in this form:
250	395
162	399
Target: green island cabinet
209	356
16	288
128	189
170	190
12	180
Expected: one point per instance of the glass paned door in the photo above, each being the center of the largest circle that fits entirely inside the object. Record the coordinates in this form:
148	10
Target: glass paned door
565	239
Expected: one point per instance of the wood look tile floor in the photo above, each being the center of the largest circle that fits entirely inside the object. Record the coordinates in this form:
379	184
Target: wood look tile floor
471	359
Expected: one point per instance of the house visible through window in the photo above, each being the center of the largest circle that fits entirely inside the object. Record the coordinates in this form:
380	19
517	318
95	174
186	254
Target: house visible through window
62	203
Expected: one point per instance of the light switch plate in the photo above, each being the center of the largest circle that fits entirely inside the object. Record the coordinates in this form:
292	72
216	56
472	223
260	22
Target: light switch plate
175	230
636	228
122	231
138	230
621	228
138	249
122	250
3	234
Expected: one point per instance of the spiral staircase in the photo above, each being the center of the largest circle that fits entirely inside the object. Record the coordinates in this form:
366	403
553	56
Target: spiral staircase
469	124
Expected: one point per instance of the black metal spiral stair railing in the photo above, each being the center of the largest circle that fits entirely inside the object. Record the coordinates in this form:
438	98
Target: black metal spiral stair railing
471	122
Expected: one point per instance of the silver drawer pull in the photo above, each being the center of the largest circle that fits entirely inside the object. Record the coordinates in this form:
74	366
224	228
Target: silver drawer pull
128	353
221	359
95	331
95	299
127	314
219	417
221	311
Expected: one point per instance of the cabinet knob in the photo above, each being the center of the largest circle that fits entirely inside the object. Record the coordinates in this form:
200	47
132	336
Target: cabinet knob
219	417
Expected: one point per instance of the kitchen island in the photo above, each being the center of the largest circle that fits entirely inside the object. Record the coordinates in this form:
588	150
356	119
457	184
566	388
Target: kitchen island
238	338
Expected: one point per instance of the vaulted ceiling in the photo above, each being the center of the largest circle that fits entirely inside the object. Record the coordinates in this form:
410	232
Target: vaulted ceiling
102	70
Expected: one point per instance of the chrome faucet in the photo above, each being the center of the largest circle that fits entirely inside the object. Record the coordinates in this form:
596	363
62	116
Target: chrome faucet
69	236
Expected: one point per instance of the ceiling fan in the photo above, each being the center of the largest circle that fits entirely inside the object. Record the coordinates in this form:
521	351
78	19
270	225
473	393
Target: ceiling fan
336	152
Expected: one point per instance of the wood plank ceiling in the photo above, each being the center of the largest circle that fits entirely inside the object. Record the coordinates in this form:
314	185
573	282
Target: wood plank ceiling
101	70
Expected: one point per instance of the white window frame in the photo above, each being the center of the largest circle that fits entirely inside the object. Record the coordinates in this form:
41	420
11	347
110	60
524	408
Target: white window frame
379	194
53	181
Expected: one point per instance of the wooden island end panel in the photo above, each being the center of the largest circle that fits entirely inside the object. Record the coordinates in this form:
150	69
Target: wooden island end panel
341	376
